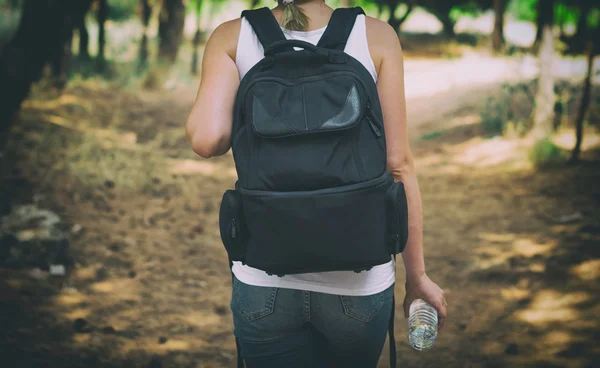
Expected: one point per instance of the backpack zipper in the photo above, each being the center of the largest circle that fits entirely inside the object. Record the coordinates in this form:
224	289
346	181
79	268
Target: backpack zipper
373	121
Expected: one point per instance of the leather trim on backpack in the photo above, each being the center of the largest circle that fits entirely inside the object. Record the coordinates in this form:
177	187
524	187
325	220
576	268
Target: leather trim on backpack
268	126
349	115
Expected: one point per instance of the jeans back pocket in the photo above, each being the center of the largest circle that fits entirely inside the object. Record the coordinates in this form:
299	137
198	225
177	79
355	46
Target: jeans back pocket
252	302
363	308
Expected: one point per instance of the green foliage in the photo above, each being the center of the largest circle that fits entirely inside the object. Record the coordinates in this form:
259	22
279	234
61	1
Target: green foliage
433	135
509	113
566	14
469	8
525	10
545	154
492	120
121	10
594	18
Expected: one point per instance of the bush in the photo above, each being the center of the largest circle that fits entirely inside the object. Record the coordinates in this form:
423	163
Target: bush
545	154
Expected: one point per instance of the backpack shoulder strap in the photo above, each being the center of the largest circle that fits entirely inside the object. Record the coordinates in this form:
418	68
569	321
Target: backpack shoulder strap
339	28
265	26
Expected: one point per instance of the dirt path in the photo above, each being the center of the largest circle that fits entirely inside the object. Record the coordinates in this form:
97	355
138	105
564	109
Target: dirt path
151	285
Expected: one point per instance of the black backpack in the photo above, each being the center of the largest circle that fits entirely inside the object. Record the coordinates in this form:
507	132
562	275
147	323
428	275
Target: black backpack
314	193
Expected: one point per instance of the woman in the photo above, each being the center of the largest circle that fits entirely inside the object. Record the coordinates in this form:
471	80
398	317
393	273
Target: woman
319	319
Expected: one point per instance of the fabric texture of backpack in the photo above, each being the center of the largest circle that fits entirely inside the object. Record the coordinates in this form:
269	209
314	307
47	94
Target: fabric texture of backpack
313	191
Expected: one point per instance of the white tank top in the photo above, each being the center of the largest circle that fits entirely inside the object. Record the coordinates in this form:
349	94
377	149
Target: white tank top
379	278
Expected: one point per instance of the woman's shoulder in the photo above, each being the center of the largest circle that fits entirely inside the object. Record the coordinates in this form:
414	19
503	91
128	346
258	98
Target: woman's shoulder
380	31
382	39
226	36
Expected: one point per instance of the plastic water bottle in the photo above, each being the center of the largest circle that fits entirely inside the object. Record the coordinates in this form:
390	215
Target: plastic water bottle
422	325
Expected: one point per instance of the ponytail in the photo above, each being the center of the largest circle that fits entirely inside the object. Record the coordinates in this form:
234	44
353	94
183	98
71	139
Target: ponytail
294	18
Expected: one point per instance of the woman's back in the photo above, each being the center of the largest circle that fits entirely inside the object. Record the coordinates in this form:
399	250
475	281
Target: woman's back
250	51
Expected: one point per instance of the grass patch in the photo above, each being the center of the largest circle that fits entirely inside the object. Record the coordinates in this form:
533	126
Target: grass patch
433	135
545	154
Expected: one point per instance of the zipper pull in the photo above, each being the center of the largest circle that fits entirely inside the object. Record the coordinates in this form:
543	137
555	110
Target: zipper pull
374	127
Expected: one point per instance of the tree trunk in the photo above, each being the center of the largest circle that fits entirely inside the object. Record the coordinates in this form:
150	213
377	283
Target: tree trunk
61	62
448	25
44	27
545	99
84	39
102	15
585	102
498	34
146	15
196	42
581	34
170	30
545	17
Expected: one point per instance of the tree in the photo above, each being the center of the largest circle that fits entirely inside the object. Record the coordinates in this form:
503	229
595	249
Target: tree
441	10
146	14
581	34
84	39
392	5
545	99
44	27
102	15
170	29
593	47
498	33
545	17
197	39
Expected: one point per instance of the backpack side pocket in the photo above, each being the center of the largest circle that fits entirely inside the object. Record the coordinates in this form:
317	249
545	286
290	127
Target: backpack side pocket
232	225
397	218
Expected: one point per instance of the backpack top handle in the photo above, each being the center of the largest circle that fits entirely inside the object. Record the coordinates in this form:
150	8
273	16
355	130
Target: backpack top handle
332	56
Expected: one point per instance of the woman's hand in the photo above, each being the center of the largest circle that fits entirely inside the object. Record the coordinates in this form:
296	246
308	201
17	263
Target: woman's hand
425	289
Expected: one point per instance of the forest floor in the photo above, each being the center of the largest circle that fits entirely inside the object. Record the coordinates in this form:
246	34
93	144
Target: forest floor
516	249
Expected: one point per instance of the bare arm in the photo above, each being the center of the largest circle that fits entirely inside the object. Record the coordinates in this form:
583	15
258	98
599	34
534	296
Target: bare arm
387	55
209	125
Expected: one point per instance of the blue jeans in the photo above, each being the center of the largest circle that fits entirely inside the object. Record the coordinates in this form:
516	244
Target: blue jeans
287	328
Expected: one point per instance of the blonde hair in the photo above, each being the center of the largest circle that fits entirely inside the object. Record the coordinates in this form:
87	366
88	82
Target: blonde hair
294	18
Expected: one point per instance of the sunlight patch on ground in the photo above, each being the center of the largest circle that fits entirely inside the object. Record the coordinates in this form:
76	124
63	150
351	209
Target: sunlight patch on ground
200	319
552	306
62	100
84	273
70	299
484	153
529	248
172	344
190	167
495	237
117	289
587	271
514	293
78	313
560	338
496	255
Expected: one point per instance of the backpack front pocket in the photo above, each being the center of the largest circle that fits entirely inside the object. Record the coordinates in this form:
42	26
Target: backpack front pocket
336	229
